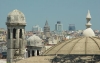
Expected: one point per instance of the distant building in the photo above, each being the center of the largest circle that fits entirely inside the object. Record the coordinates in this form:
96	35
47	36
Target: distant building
71	27
59	28
47	30
2	31
36	29
1	38
51	41
3	50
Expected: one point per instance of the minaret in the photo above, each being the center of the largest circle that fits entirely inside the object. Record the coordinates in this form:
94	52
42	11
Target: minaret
88	18
88	32
15	35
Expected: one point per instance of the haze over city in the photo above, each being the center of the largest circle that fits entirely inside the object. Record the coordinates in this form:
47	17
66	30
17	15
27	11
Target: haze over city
67	11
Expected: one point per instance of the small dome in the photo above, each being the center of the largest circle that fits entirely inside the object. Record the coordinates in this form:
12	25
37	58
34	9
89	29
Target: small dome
34	41
88	32
77	46
16	16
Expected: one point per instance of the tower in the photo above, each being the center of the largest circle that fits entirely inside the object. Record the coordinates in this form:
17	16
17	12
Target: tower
47	30
15	35
88	31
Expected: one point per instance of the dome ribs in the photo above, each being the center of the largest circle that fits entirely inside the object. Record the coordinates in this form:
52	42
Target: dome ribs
86	45
51	48
74	45
95	42
63	46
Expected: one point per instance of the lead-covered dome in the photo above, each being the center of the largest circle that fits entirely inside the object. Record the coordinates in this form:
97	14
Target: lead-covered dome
16	16
34	41
77	46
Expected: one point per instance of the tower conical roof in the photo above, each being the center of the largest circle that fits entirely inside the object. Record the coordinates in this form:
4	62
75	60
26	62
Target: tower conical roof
46	24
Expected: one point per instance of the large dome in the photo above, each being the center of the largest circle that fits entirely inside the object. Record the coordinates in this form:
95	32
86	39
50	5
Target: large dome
16	16
77	46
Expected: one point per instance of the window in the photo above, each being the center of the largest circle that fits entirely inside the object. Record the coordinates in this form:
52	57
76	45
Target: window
14	33
28	53
37	52
8	33
20	33
32	52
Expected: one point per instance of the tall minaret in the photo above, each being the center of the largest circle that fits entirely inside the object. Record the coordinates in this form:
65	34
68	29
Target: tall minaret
88	32
88	18
15	35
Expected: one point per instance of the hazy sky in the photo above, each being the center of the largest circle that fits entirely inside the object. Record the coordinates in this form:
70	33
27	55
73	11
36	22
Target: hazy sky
67	11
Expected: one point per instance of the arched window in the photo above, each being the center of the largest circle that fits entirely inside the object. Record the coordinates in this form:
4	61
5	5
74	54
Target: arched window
37	52
20	33
8	33
28	53
32	52
14	33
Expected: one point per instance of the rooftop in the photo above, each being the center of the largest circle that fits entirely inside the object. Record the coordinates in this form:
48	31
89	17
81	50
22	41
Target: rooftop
79	46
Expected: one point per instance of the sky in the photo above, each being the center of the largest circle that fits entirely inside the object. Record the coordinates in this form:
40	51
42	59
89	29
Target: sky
67	11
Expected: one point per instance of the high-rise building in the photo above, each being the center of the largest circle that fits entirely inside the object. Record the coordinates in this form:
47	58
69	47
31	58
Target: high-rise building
71	27
58	28
36	29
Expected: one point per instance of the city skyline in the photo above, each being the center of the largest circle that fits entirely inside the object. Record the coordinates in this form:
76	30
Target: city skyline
67	11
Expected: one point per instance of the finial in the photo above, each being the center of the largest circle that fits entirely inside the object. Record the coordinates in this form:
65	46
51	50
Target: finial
88	20
88	15
88	32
